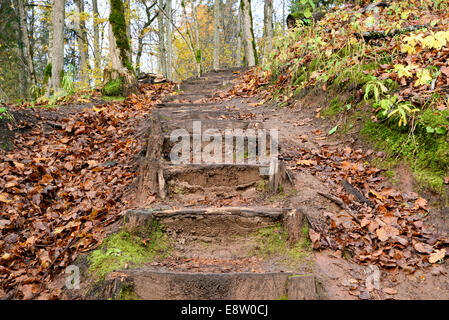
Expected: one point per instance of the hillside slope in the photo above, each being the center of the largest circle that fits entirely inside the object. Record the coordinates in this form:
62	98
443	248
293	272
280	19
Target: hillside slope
385	66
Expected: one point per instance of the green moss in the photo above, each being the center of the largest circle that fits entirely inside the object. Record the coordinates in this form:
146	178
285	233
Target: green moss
337	105
273	242
47	72
112	98
283	297
434	119
113	88
123	249
127	293
351	76
118	24
427	154
262	186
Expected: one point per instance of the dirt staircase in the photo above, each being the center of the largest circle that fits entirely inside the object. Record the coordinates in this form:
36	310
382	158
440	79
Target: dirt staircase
226	222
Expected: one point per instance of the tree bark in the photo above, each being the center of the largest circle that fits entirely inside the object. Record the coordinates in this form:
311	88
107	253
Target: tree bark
248	34
97	53
119	48
142	34
217	20
57	56
268	29
239	38
47	83
26	41
168	39
198	55
82	45
161	36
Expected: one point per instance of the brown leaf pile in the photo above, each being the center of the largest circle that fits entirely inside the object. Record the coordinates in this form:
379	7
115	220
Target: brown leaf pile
60	187
391	234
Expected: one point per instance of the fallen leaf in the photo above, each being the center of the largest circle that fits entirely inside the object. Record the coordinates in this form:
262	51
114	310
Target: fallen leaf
420	203
389	291
315	238
423	247
437	255
4	198
386	232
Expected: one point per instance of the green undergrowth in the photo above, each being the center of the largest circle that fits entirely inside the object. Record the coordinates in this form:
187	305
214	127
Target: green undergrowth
362	103
112	98
424	146
282	194
127	293
272	242
426	153
113	88
125	250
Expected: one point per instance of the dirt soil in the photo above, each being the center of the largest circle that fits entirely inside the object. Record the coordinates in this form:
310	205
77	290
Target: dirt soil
301	134
301	129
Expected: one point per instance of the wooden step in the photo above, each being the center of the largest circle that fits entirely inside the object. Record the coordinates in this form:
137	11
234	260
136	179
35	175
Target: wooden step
150	284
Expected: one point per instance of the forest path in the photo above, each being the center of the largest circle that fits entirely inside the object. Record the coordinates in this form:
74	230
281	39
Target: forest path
236	232
227	230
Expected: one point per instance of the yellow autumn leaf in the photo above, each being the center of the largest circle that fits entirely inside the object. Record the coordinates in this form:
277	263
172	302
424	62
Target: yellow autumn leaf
4	198
442	36
99	109
413	40
423	76
437	255
408	49
58	230
432	42
403	71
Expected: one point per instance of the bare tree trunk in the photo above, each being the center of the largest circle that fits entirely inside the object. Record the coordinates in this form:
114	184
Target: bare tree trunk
142	33
239	38
82	44
267	29
168	39
139	49
161	36
127	4
97	53
57	56
47	83
198	54
283	15
26	41
119	49
217	44
248	34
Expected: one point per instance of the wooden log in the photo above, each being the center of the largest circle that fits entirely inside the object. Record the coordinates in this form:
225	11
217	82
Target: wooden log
148	181
380	34
274	213
356	193
293	18
372	6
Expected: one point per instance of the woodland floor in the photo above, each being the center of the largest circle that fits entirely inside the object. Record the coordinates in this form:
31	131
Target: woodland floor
72	172
302	135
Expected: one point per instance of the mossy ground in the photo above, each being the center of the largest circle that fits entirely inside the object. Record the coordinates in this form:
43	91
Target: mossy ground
427	154
127	293
273	243
113	88
425	148
123	248
112	98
